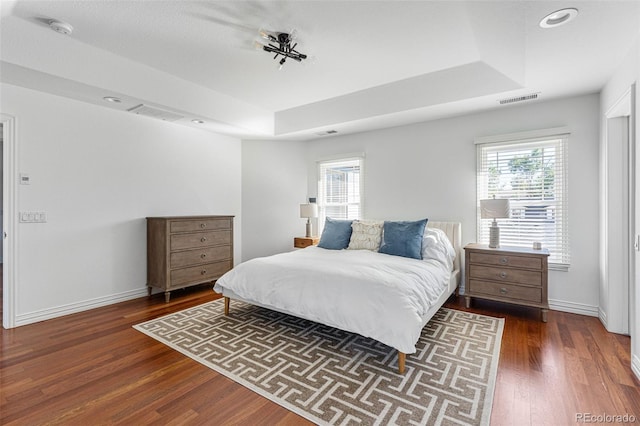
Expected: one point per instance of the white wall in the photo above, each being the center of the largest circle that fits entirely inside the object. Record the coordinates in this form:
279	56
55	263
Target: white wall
274	184
98	173
429	170
627	74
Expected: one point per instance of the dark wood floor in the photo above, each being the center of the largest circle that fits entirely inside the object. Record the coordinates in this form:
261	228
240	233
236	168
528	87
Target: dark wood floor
93	368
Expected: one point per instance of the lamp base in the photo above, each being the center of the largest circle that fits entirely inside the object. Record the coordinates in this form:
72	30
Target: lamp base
494	235
308	229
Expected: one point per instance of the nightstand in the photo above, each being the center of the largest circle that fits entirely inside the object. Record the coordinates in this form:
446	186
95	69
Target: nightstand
507	274
302	242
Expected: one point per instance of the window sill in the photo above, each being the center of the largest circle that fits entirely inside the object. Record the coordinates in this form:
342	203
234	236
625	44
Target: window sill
563	267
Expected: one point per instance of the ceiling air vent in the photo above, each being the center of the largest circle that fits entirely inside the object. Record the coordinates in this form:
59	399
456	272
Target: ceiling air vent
155	113
328	132
519	98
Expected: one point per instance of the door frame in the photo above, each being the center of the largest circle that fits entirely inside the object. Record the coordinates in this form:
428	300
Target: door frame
9	220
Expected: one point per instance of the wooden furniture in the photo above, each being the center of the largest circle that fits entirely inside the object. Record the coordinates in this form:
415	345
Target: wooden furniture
183	251
507	274
302	242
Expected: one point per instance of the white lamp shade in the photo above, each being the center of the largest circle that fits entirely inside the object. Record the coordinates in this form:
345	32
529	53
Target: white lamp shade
308	210
495	208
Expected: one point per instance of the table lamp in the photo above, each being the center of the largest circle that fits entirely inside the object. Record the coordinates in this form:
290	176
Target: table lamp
494	208
308	211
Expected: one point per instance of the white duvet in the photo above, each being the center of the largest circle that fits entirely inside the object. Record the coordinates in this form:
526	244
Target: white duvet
376	295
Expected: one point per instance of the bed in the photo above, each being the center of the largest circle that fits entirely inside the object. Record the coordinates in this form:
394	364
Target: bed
380	296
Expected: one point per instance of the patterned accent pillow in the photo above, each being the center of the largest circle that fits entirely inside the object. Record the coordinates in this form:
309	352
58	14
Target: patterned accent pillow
365	235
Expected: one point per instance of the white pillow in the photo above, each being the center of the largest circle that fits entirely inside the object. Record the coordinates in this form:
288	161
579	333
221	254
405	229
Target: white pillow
365	235
436	246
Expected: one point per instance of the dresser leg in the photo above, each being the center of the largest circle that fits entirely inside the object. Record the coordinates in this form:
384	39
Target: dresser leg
167	296
543	313
149	291
467	301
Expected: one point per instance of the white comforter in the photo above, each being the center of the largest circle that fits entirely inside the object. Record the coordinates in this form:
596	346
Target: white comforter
376	295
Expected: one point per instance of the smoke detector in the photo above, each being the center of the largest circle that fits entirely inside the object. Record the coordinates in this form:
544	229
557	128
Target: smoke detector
60	27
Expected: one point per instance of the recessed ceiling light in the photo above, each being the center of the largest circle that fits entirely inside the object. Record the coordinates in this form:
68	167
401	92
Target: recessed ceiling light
559	17
112	99
195	120
61	27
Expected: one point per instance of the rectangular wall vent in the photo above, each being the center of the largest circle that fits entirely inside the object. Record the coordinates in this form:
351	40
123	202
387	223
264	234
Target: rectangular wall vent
519	99
155	113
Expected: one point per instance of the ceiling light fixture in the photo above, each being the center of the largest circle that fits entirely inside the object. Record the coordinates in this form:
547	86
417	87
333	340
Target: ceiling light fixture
559	17
196	121
280	44
60	27
112	99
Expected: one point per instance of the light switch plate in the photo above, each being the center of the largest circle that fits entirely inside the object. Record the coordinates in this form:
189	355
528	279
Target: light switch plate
33	217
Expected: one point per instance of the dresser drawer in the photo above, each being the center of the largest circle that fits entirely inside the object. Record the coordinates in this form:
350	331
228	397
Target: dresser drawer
205	224
517	276
506	291
200	239
200	273
506	260
194	257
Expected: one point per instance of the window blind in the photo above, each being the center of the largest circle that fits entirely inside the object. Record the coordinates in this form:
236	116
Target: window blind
340	189
532	174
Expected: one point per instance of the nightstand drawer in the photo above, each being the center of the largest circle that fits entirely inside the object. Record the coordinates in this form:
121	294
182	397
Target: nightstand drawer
302	242
506	291
506	260
517	276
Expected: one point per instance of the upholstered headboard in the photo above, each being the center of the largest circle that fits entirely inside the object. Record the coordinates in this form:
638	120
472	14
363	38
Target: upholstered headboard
454	233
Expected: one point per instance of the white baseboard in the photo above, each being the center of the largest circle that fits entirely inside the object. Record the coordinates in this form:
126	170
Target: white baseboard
574	308
603	317
635	365
72	308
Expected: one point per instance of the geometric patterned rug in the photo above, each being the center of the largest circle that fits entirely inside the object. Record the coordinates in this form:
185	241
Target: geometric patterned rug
334	377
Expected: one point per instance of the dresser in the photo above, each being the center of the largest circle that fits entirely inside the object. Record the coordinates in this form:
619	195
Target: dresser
507	274
183	251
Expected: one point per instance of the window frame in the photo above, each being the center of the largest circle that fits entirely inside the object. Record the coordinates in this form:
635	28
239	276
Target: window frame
320	192
557	261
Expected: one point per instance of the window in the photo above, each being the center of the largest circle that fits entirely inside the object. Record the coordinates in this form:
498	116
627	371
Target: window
340	189
532	173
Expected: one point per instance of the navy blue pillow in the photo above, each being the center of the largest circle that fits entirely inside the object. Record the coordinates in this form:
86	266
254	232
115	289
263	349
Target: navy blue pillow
403	238
336	234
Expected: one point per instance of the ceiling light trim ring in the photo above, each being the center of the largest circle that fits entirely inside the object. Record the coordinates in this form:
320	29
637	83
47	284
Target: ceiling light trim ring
559	17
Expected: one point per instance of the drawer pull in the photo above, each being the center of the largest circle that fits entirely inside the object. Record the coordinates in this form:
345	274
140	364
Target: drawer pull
203	239
504	260
503	274
203	255
203	225
503	290
204	271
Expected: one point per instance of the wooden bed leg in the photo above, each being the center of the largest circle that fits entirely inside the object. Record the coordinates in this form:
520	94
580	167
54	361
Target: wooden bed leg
226	305
401	358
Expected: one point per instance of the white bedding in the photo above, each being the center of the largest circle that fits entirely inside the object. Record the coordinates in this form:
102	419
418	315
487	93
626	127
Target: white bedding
376	295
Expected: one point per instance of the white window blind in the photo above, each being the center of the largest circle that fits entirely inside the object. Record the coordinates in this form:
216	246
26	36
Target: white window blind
532	174
340	189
